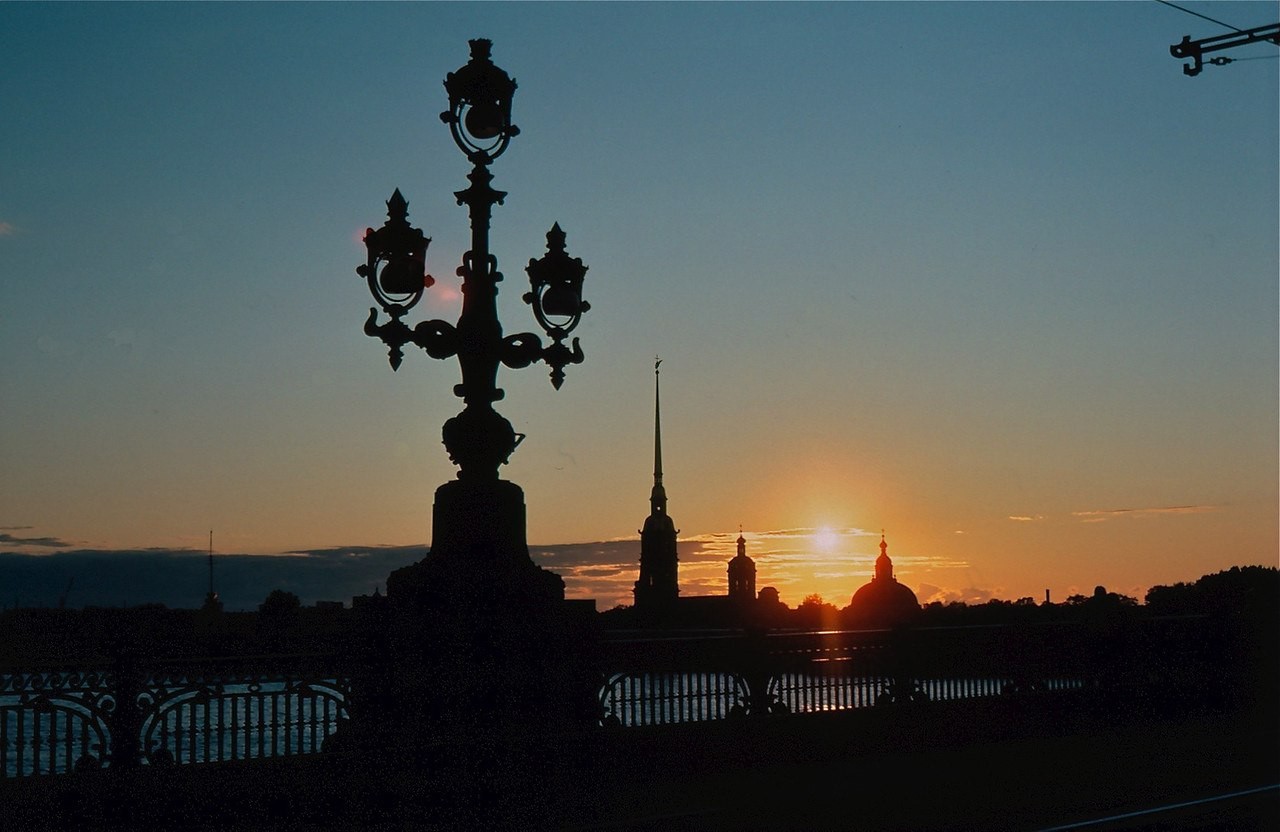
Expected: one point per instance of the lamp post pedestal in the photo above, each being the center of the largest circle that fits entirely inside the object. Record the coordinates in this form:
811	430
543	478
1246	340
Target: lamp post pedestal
481	521
485	646
479	557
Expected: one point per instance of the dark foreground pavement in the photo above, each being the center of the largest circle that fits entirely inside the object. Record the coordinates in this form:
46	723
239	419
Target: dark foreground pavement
981	766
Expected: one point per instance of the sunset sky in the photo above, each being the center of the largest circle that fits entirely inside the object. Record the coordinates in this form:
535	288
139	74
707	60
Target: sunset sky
996	278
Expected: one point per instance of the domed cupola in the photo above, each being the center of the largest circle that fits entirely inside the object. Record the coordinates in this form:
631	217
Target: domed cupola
883	601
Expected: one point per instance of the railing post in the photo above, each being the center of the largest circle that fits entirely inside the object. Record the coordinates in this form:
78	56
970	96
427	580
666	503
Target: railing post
755	670
371	706
125	719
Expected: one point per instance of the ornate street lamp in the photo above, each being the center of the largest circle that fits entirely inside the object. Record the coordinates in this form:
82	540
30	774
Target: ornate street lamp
477	510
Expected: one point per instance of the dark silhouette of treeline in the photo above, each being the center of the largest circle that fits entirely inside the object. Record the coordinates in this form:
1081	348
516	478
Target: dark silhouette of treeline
1248	590
1249	596
1250	593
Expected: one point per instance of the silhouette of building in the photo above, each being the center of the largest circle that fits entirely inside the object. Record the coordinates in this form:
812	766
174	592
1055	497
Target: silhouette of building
737	608
658	587
376	600
884	600
657	591
742	576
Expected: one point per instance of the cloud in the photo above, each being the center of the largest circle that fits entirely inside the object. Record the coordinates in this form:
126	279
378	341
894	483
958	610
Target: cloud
928	593
601	570
41	542
1101	515
598	553
1025	518
7	229
179	578
795	561
417	550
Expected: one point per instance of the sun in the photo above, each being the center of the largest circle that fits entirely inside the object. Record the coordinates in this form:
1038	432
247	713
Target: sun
825	539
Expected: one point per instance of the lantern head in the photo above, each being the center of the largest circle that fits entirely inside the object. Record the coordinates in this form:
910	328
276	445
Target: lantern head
555	283
396	260
479	114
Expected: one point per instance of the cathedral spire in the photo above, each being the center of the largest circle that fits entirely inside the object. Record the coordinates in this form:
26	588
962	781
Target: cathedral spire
658	497
658	587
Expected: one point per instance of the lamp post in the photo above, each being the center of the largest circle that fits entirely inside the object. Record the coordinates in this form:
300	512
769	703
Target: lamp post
477	516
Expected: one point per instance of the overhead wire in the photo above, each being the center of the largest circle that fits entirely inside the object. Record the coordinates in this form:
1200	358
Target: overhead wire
1197	14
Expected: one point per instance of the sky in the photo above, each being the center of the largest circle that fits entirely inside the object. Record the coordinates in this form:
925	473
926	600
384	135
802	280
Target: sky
995	278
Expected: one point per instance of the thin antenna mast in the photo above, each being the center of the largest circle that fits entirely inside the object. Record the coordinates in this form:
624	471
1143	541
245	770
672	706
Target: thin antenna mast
211	602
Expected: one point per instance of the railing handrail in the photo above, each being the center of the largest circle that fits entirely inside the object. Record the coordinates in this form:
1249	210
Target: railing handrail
147	662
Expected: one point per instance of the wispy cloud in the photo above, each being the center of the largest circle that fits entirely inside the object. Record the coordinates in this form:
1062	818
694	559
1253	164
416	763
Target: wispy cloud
1102	515
416	549
928	593
35	542
1026	518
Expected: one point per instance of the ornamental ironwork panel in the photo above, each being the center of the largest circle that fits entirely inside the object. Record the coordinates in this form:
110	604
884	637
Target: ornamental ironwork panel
659	698
55	722
210	718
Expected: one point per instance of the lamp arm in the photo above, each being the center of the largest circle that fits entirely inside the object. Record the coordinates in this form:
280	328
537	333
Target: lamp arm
438	338
520	350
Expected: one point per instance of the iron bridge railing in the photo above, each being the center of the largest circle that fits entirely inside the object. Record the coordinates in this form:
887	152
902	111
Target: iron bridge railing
194	711
653	679
213	710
